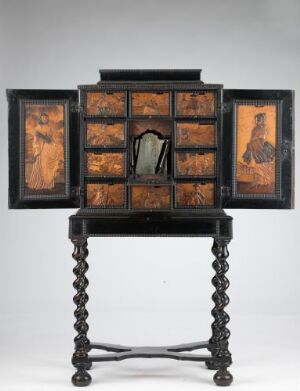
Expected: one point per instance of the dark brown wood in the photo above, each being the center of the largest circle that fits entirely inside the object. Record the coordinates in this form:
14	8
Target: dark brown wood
159	156
162	126
80	356
220	333
215	224
249	132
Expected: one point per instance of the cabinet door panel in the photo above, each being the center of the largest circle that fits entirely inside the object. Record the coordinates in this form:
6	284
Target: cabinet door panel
258	154
43	149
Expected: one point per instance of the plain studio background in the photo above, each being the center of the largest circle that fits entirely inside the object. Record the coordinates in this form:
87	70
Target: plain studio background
148	290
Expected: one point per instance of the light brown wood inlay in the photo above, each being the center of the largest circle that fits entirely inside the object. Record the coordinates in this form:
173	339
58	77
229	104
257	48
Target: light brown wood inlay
105	195
150	103
105	104
105	134
195	103
195	164
256	128
150	197
195	194
44	149
194	134
105	164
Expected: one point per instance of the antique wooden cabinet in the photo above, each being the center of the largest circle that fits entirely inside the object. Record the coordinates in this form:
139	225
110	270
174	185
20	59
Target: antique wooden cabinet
150	141
151	153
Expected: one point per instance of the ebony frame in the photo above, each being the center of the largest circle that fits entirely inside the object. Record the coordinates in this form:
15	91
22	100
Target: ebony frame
284	197
16	100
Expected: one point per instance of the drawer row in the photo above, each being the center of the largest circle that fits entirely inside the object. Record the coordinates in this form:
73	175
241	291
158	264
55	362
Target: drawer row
150	103
186	164
161	197
113	134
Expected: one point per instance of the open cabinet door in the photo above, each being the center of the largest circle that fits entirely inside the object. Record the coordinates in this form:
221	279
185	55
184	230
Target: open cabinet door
258	149
43	149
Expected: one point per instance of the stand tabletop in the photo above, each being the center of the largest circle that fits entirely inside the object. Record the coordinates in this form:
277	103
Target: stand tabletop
207	223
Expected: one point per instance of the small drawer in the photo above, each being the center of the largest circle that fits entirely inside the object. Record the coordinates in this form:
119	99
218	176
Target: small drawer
195	164
195	103
150	103
106	104
195	134
105	164
105	134
150	197
194	194
105	195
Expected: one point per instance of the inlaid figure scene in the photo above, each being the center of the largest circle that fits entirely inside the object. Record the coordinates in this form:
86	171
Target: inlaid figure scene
105	195
44	149
105	103
150	197
195	103
105	164
195	164
195	194
105	134
150	103
256	129
195	134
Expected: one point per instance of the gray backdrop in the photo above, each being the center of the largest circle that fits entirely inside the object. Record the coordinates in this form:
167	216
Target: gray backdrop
59	44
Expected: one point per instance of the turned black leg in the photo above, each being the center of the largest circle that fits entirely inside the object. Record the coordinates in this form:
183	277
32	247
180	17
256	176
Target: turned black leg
220	333
81	377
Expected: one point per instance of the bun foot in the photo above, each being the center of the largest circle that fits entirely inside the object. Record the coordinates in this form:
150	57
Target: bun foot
211	365
81	378
223	377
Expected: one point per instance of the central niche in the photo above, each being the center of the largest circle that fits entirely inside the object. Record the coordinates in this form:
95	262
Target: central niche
150	148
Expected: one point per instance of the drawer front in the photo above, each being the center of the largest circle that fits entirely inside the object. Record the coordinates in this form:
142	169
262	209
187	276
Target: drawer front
105	164
150	103
105	134
195	164
195	103
194	195
105	195
193	134
150	197
106	104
